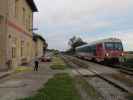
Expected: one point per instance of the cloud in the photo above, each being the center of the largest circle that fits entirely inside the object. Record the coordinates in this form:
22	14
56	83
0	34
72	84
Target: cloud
102	24
58	20
62	10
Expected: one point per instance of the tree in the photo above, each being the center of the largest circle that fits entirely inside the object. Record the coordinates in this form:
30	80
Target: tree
75	42
72	40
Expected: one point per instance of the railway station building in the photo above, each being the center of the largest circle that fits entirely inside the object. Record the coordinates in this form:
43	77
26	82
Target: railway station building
16	36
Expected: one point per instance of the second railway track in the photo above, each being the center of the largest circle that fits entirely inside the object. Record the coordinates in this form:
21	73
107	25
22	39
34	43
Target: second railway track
124	69
110	89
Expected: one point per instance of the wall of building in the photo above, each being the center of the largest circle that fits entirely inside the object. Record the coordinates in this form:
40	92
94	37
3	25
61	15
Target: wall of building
19	31
2	42
33	51
39	47
3	7
3	33
16	39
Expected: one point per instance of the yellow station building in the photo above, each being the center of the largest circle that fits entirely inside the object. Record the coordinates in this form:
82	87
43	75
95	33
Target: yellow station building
16	36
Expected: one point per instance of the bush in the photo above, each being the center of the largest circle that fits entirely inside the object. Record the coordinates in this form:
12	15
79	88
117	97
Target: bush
58	63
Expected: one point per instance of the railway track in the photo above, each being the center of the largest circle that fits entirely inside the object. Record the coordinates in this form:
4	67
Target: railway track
121	68
124	69
110	90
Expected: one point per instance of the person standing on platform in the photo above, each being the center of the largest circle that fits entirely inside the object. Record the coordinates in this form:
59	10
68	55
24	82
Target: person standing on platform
36	65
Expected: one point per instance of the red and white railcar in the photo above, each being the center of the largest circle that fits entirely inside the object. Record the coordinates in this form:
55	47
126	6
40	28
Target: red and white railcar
110	49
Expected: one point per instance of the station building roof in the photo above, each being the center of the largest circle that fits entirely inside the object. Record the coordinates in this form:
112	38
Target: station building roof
32	5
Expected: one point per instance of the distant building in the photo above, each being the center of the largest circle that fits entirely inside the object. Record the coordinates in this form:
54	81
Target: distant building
40	45
16	38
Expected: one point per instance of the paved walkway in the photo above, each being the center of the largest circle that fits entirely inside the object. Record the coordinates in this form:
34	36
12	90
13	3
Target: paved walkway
24	84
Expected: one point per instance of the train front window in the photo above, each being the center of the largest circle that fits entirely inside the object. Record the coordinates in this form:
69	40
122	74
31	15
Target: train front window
114	46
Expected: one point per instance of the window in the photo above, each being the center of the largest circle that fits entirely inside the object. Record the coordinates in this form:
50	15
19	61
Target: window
28	49
1	19
29	22
113	46
16	8
93	49
89	49
22	48
85	49
118	46
109	46
14	49
13	52
24	18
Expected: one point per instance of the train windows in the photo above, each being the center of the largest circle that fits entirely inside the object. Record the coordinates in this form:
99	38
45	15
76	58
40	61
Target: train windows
85	49
93	49
118	46
109	46
114	46
88	49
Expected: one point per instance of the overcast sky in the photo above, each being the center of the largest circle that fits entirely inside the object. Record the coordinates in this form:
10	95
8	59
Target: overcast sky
59	20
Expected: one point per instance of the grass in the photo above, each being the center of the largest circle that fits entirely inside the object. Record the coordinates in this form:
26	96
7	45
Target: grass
128	60
60	87
23	69
58	63
129	63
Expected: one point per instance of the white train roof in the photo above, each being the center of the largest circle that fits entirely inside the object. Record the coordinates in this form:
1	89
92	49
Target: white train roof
101	41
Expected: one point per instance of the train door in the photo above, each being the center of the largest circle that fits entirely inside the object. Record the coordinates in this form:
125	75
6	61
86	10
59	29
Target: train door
99	50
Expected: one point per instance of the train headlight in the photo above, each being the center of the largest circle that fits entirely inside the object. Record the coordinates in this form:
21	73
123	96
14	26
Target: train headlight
122	54
107	54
